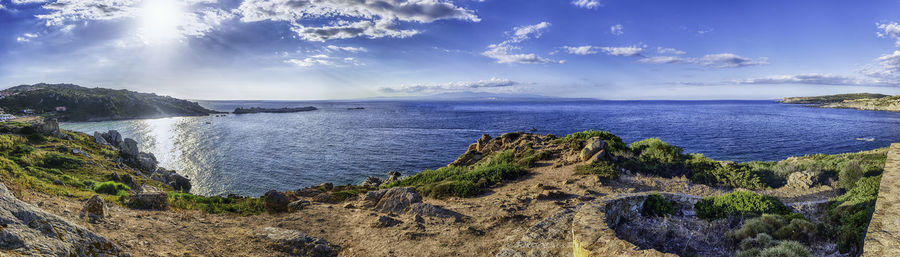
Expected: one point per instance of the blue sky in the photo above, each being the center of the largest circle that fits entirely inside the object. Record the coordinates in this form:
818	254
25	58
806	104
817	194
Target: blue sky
346	49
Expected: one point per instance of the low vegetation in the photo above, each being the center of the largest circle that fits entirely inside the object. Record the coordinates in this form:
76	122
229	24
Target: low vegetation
217	204
850	213
603	169
739	203
657	206
464	181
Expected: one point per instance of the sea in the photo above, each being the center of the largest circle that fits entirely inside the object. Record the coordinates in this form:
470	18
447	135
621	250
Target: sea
345	141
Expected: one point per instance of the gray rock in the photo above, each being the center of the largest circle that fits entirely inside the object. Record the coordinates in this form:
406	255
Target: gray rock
403	200
50	127
803	179
129	148
385	222
147	162
308	192
94	209
326	186
392	176
99	138
297	243
172	179
276	201
29	231
297	205
593	146
371	182
151	198
114	138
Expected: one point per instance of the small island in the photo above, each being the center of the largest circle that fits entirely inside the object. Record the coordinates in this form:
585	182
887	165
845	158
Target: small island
860	101
240	110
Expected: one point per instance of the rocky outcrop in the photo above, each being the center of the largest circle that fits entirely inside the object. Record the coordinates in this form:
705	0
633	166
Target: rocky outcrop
385	221
594	149
112	137
98	138
94	209
172	179
486	145
376	181
403	200
129	148
150	198
29	231
276	201
131	155
297	243
50	127
803	179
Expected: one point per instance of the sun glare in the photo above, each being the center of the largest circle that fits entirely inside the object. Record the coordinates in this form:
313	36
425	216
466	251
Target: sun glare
160	21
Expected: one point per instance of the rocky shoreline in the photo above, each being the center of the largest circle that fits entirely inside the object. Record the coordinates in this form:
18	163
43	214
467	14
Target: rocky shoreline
863	101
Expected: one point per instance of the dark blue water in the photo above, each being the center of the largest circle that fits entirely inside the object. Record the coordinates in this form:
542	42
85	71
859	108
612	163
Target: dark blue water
252	153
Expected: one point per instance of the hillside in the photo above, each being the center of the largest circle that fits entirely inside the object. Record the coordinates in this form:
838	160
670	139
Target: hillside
826	99
94	104
889	103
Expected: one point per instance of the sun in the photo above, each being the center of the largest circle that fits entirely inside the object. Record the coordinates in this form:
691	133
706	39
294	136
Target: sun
160	21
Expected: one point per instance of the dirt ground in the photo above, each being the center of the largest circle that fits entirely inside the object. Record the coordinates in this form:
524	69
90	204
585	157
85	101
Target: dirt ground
499	217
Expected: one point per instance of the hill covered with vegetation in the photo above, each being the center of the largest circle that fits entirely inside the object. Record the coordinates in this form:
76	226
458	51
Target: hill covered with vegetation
69	102
827	99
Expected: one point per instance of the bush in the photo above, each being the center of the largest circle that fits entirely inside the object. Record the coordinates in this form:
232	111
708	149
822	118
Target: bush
613	142
849	174
60	161
111	188
852	212
766	224
760	241
786	249
463	181
657	206
603	169
739	203
217	204
658	157
798	230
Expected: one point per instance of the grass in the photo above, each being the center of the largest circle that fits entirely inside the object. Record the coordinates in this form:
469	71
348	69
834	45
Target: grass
851	212
603	169
111	188
464	181
217	204
739	203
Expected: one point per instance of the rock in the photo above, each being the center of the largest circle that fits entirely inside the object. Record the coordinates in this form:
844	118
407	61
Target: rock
129	148
297	243
592	147
468	158
474	231
151	198
80	152
275	201
403	200
349	206
392	176
308	192
418	218
50	127
147	162
552	195
482	142
94	209
29	231
114	138
324	198
99	138
172	179
297	205
385	221
327	186
803	179
371	182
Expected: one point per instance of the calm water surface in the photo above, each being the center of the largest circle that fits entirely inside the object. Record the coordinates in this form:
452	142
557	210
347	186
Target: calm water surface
252	153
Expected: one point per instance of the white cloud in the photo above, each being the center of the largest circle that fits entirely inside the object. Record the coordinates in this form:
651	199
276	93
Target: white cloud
74	11
887	67
323	60
623	50
450	87
617	29
27	1
580	50
346	48
26	37
501	51
663	50
723	60
808	79
587	4
2	7
372	19
889	30
704	29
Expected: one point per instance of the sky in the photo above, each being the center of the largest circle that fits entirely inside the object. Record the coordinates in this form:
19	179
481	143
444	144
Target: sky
352	49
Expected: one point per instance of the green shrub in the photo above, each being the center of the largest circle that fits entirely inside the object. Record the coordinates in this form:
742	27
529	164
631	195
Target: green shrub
111	188
739	203
760	241
798	230
851	212
345	194
786	249
765	224
658	157
603	169
615	144
464	181
657	206
850	173
60	161
217	204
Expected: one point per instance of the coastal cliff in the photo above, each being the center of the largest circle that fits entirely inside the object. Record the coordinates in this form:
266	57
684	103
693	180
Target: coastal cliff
861	101
516	194
69	102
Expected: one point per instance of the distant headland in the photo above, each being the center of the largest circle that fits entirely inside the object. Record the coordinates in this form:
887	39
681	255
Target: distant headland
240	110
859	101
68	102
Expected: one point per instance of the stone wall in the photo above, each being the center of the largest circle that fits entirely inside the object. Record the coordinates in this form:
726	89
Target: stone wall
883	235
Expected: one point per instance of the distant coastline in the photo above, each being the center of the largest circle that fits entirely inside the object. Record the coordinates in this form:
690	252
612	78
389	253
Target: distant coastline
860	101
240	110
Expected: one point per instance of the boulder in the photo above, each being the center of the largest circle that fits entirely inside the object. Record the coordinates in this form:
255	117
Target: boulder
29	231
803	179
99	138
593	146
482	142
276	201
392	176
94	209
150	198
172	179
325	198
129	148
385	221
371	182
308	192
297	205
50	127
297	243
147	162
468	158
113	138
403	200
